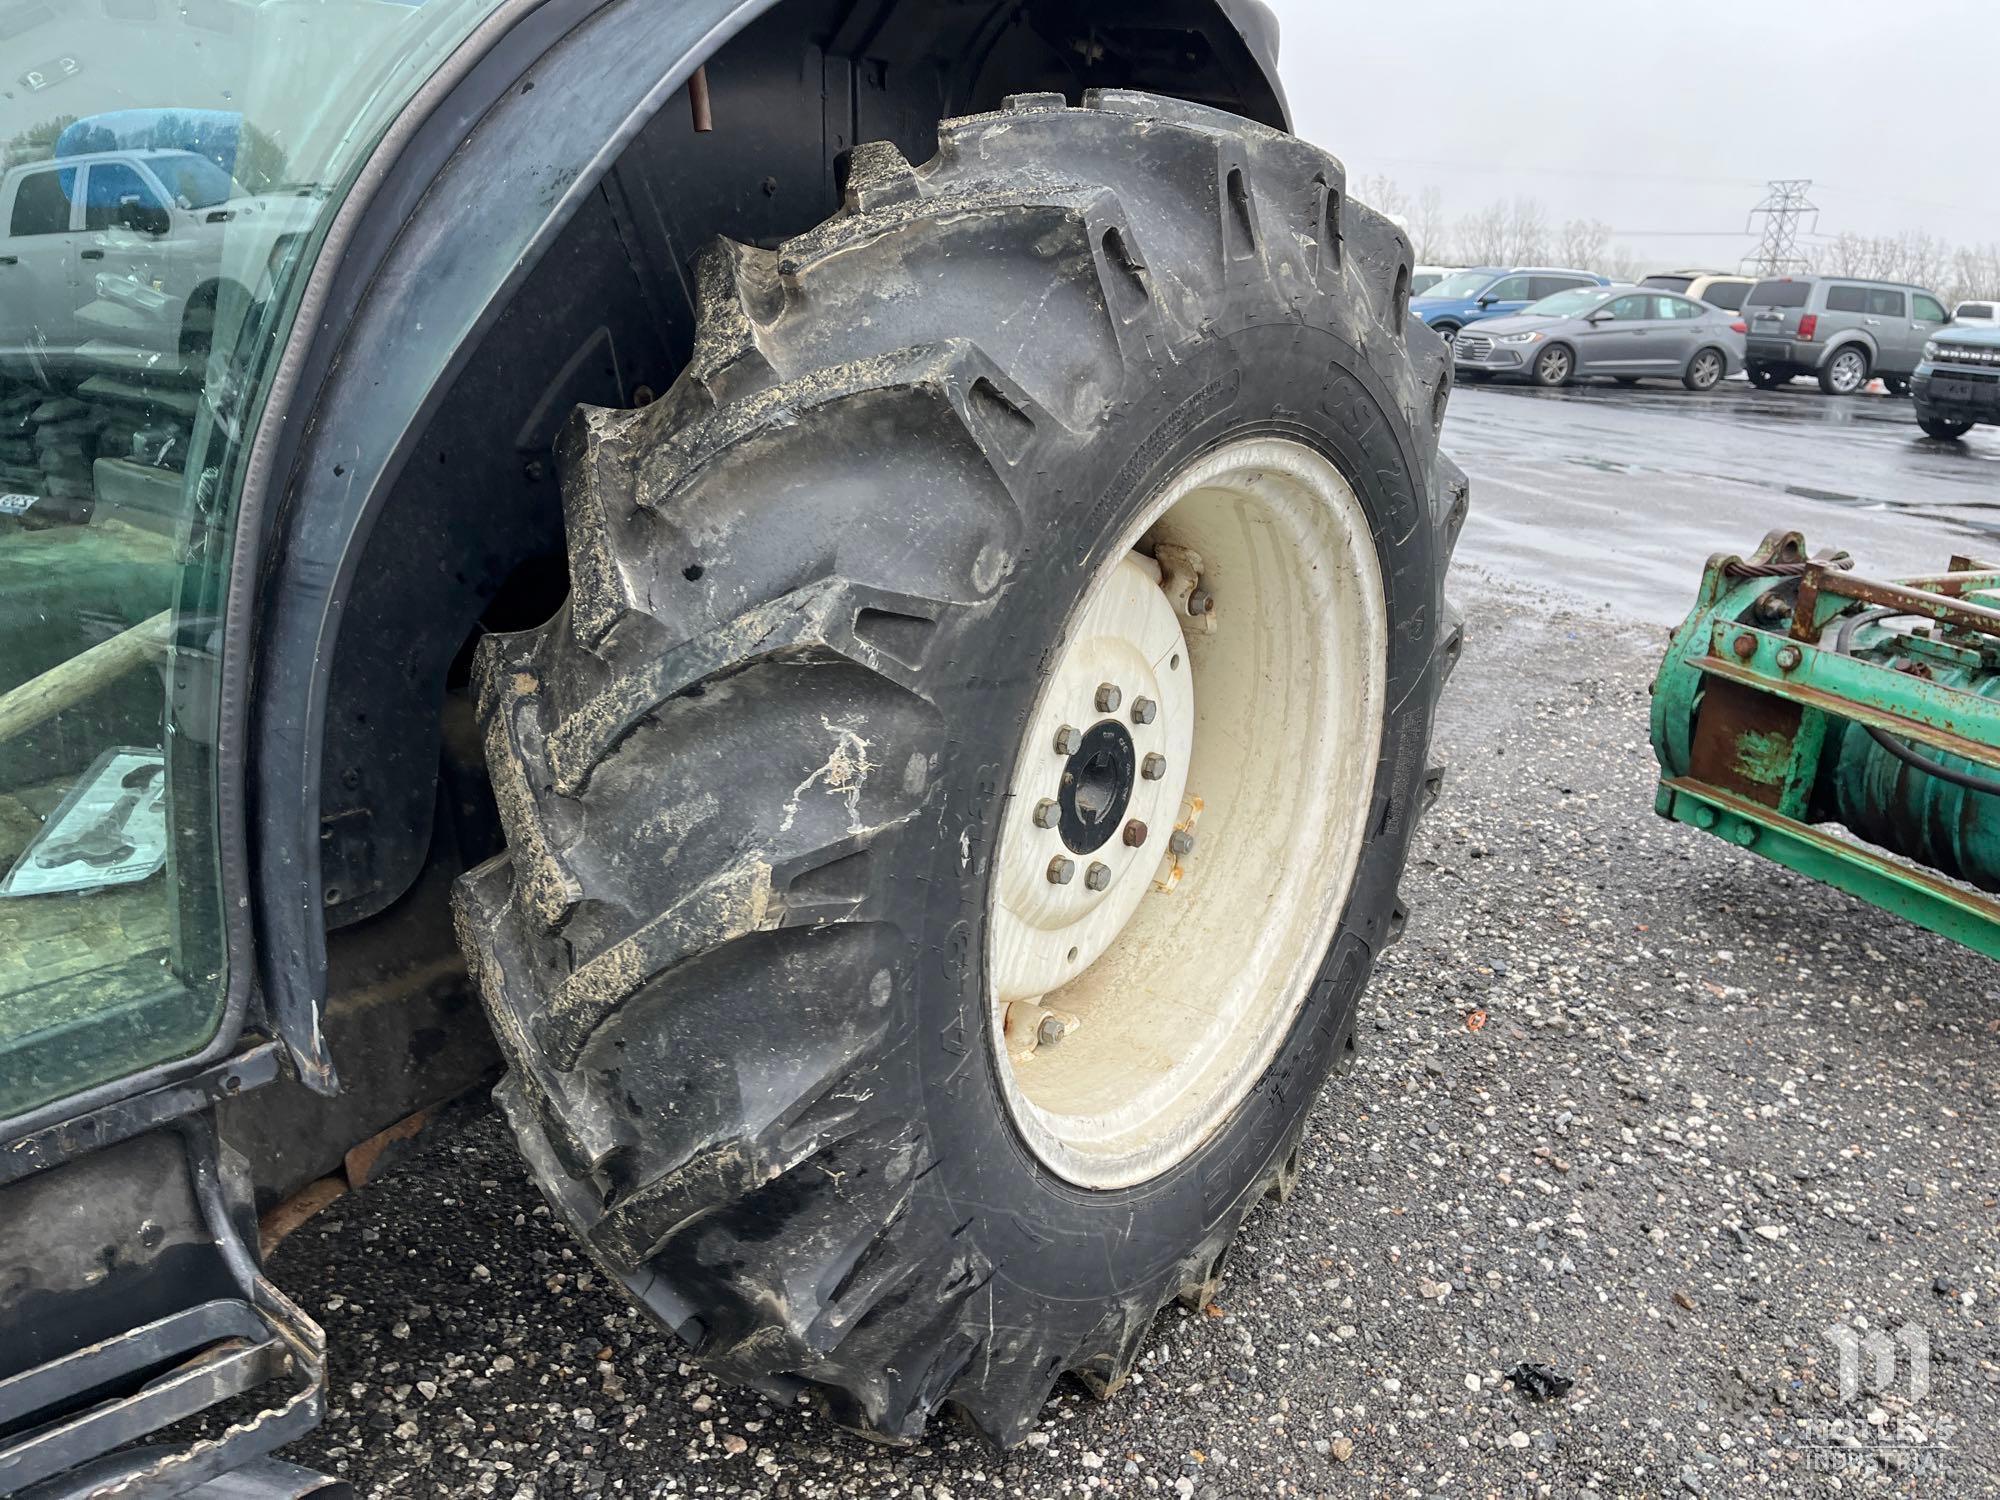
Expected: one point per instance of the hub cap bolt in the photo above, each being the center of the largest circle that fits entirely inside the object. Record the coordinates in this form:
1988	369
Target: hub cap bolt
1144	710
1046	813
1108	698
1097	877
1068	741
1154	766
1135	834
1181	842
1052	1030
1061	870
1200	602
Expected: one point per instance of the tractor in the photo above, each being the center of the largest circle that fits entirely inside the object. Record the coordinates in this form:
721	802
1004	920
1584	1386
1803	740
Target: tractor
845	596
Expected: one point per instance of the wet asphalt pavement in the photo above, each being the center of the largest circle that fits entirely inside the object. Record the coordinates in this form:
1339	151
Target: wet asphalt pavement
1617	494
1631	1103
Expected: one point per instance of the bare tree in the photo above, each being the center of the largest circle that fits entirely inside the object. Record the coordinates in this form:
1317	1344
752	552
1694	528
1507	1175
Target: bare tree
1842	256
1921	257
1619	263
1583	243
1974	273
1381	194
1482	237
1428	229
1527	231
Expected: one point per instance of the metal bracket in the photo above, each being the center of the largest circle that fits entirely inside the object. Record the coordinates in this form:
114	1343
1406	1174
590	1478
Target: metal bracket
69	1416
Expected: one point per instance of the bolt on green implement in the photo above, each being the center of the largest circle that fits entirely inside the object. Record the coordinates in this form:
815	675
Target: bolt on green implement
1799	698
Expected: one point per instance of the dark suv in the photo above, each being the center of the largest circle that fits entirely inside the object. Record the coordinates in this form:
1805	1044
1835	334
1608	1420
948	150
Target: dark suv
1840	330
1957	386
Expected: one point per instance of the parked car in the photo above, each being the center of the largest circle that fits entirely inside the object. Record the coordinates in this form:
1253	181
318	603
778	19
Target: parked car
1957	386
1626	334
1716	288
1493	292
1423	278
1842	330
129	249
1980	314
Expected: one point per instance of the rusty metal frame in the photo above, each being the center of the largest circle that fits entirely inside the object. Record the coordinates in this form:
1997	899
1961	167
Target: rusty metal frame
1916	895
62	1419
1848	687
1746	699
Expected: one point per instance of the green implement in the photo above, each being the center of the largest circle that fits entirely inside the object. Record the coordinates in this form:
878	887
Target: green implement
1799	699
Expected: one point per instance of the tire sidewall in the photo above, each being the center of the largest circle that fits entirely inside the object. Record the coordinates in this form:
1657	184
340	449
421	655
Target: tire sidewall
1694	382
1266	378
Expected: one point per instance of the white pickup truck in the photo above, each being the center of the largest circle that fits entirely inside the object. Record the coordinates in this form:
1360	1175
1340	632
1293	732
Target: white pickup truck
131	249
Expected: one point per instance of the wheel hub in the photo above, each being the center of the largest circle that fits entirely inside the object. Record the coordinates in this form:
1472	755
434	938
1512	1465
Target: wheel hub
1058	914
1186	812
1097	787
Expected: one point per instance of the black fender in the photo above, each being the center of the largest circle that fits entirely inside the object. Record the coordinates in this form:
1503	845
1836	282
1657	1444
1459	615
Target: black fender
420	262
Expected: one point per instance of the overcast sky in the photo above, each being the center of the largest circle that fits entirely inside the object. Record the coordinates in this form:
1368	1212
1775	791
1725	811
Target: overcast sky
1661	118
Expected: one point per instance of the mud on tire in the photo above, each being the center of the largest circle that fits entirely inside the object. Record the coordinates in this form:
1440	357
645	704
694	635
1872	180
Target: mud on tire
751	774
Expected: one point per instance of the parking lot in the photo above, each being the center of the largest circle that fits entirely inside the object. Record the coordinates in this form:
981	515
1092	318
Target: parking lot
1631	1104
1656	478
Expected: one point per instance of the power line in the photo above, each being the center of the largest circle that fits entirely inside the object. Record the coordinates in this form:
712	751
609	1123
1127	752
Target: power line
1784	208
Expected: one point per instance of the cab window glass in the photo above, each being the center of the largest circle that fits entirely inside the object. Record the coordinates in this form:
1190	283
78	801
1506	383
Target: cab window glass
1929	309
1847	299
1630	309
130	382
41	204
110	184
1676	308
1727	295
1509	289
1885	302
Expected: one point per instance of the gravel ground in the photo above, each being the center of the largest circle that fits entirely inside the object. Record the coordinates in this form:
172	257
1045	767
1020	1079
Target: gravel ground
1631	1103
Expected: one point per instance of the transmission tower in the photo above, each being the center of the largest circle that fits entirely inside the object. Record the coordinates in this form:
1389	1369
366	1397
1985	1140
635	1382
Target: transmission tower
1783	210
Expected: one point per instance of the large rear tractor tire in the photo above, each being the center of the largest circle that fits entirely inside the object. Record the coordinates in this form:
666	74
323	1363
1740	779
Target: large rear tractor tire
955	814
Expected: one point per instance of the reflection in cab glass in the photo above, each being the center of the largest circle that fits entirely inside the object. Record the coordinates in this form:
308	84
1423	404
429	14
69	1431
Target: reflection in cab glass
166	167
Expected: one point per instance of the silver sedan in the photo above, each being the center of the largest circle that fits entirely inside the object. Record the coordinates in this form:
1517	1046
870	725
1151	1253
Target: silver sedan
1625	333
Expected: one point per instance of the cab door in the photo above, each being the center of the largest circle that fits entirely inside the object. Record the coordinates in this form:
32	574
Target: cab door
1507	295
1927	316
1887	318
1614	342
38	265
132	243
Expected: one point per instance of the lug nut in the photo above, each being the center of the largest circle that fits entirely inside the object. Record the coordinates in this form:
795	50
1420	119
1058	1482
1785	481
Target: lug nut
1200	602
1181	842
1144	710
1046	813
1052	1030
1068	741
1061	870
1154	766
1135	834
1108	697
1098	876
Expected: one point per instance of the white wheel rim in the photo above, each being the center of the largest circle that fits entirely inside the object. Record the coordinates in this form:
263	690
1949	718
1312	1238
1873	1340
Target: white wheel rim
1180	977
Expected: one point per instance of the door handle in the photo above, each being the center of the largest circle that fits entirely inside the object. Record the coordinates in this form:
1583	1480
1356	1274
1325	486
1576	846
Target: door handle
92	255
10	260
